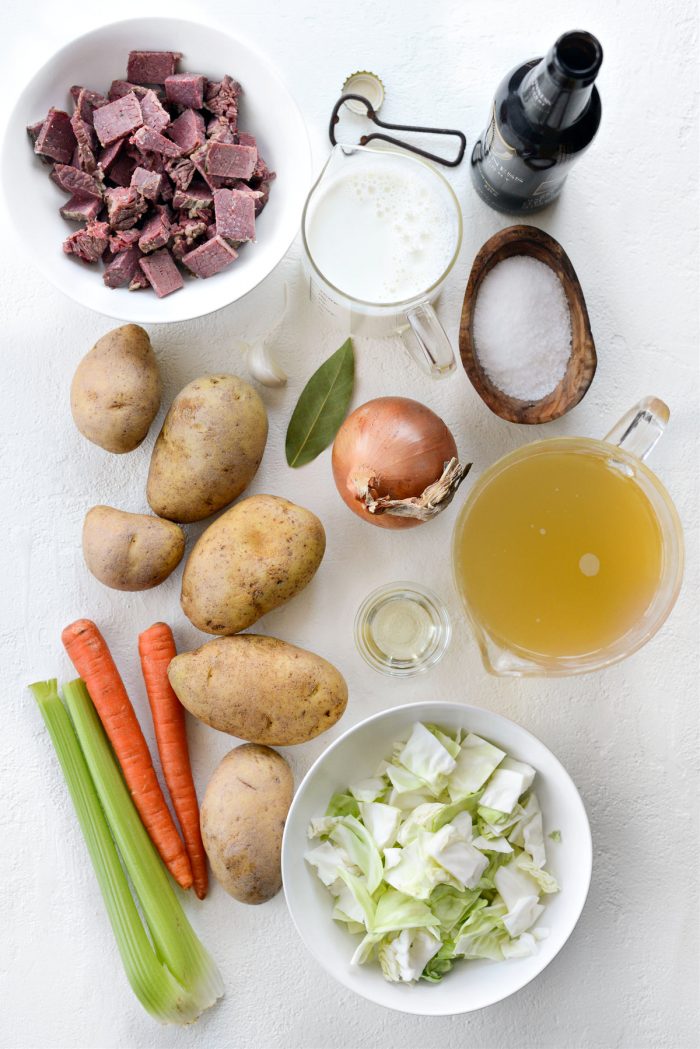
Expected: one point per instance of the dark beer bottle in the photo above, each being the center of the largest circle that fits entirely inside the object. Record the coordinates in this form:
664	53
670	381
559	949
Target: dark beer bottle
545	114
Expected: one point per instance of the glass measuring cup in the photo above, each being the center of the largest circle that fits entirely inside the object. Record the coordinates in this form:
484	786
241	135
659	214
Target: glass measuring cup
379	313
622	453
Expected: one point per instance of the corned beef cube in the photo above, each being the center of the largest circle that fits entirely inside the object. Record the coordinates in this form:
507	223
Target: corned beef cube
181	171
157	231
221	98
120	271
119	88
123	239
154	116
162	273
257	194
81	209
89	101
235	214
194	199
139	280
88	244
108	156
199	159
188	130
247	140
77	182
123	168
219	129
149	183
118	119
210	258
185	234
56	138
151	67
226	160
34	129
125	206
262	172
84	136
148	140
185	89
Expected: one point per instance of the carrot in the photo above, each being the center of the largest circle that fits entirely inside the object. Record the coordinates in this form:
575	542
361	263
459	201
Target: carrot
92	659
156	649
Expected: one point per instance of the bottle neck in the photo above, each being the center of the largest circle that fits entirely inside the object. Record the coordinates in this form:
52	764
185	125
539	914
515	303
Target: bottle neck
557	91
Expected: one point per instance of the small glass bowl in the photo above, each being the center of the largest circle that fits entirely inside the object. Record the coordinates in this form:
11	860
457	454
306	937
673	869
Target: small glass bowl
402	629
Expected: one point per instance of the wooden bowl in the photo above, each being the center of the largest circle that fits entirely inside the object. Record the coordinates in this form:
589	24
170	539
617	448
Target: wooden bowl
528	240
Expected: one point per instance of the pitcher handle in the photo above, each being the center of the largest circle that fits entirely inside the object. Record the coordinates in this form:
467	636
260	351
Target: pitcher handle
641	427
426	341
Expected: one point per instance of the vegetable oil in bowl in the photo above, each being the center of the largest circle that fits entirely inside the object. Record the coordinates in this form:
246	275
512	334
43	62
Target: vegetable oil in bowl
402	628
561	553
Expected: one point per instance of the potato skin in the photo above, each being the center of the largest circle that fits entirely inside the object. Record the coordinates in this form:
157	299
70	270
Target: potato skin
260	689
115	392
209	448
130	551
253	558
242	817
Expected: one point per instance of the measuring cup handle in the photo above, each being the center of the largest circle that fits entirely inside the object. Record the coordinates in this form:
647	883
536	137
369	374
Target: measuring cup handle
641	427
426	341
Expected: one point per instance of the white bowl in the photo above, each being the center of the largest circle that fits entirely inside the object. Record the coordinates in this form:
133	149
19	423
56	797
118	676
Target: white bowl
268	111
473	984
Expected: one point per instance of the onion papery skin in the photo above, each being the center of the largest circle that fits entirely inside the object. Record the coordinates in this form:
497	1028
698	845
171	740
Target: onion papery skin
399	442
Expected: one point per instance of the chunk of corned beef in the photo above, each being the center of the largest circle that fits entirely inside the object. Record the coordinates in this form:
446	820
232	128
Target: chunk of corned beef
125	206
262	196
90	243
119	88
181	171
139	280
56	138
81	209
257	194
90	100
210	258
149	183
151	67
121	270
246	139
185	234
199	159
154	116
107	156
221	97
157	231
77	182
123	168
185	89
123	239
148	140
188	130
219	129
194	199
229	161
262	173
235	214
34	129
162	273
118	119
84	136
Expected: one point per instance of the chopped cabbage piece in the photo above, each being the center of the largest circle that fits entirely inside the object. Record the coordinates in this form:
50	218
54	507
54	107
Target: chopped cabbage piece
476	761
382	821
426	757
503	790
404	958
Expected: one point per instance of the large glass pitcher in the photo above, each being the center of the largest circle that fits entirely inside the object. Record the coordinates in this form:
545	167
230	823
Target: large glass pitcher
568	553
381	232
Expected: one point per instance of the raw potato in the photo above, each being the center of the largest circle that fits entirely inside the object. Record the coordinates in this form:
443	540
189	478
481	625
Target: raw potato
130	551
260	689
243	814
255	557
115	393
209	449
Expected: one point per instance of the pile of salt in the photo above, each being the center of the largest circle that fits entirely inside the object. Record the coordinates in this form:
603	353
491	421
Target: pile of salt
522	327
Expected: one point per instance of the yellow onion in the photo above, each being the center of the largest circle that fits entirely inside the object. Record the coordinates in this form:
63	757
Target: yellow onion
395	463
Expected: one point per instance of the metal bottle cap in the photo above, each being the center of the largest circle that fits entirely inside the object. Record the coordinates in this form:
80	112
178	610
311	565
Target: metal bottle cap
367	84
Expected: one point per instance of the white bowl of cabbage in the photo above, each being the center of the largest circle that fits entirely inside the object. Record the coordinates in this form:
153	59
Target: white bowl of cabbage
436	858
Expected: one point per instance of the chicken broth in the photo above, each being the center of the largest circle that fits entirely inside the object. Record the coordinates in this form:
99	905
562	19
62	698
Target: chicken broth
560	554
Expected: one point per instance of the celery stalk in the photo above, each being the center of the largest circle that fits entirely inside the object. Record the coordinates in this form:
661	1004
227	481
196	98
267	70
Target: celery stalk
173	977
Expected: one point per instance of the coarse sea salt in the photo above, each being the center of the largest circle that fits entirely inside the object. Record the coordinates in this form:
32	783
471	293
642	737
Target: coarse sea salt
522	327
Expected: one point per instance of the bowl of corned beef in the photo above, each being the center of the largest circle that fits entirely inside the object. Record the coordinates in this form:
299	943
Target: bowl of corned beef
156	169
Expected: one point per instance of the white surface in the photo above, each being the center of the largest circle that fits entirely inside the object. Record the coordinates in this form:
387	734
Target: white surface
356	756
267	110
628	220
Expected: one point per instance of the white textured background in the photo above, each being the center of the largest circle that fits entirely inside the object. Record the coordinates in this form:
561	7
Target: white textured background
629	221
